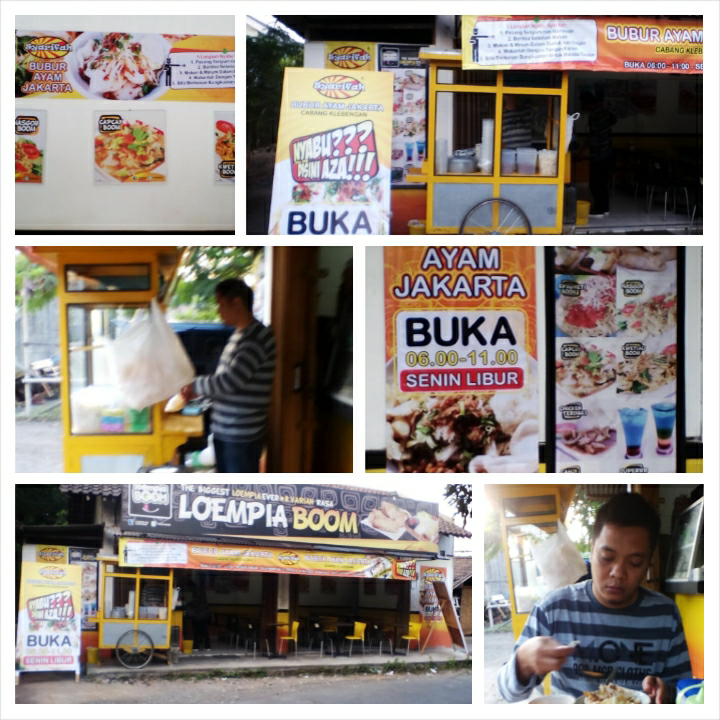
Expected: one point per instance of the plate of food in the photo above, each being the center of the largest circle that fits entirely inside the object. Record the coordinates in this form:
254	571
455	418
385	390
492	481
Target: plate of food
393	522
592	435
649	372
613	694
585	369
586	305
137	150
591	260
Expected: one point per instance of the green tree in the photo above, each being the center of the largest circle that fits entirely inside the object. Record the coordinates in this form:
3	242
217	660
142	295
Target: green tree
194	296
41	284
584	512
267	57
492	534
461	497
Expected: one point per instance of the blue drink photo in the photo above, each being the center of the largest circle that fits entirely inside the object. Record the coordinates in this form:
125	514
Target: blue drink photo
664	414
633	421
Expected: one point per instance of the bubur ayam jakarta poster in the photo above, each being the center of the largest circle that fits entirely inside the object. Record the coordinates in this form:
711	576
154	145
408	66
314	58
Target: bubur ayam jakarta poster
317	514
461	359
332	164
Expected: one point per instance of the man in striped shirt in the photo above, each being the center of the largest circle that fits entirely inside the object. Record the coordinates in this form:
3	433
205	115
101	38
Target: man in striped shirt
241	385
606	623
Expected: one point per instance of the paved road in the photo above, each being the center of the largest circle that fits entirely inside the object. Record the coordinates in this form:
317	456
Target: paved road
440	688
498	647
38	446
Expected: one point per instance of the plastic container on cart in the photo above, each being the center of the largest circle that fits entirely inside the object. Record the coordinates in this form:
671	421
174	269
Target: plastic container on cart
583	212
526	160
548	162
507	162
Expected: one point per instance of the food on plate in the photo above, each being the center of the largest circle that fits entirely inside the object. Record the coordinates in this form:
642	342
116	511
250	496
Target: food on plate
28	157
388	518
441	434
380	567
566	258
669	252
591	441
122	67
591	371
592	313
648	371
650	317
397	153
339	191
225	140
597	259
135	148
424	526
611	694
637	258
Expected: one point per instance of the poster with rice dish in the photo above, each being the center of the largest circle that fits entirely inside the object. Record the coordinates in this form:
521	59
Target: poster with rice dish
224	147
616	359
129	147
124	66
461	359
332	164
30	131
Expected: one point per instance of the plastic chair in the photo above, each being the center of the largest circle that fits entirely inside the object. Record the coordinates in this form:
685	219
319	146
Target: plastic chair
316	632
252	635
358	634
661	177
413	634
292	636
377	633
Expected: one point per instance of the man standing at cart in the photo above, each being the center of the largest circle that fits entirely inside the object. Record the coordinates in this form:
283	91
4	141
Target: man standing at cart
241	385
607	623
600	121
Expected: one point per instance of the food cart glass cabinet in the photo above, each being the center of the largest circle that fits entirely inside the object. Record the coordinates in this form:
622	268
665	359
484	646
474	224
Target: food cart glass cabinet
134	611
99	292
478	109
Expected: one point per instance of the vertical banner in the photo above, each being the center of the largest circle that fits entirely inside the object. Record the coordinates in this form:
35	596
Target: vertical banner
86	559
343	55
224	147
48	631
434	631
461	359
616	359
332	166
30	131
409	138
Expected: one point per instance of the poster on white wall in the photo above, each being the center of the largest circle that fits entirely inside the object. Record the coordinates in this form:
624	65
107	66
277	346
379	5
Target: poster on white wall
224	147
30	127
129	147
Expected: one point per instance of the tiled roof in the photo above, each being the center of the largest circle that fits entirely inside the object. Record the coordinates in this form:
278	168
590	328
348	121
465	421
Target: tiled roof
447	526
462	570
106	490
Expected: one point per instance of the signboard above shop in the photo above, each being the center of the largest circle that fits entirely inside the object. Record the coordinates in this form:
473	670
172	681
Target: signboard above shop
608	44
318	514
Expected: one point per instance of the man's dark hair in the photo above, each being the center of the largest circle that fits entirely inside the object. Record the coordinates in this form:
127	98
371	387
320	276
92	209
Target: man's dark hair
629	510
236	288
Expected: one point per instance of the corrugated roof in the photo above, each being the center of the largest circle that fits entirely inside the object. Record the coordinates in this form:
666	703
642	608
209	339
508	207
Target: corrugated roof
447	526
462	570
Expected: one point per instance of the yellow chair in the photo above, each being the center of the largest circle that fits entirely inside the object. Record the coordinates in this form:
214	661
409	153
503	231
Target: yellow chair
292	636
414	634
358	634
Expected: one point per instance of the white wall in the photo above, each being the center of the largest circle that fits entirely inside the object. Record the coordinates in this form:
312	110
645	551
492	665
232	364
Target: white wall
67	199
375	345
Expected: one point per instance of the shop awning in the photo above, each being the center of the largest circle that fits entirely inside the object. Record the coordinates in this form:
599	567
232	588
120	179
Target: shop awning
87	536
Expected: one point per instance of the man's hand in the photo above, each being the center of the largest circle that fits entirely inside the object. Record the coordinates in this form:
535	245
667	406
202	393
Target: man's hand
658	691
188	393
540	656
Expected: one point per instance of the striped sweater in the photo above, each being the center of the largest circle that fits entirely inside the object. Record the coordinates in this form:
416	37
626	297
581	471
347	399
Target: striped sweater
643	639
240	388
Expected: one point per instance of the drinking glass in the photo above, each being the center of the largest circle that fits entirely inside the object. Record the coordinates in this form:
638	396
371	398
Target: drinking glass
664	414
633	421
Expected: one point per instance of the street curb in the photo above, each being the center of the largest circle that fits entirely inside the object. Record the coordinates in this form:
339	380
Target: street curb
270	671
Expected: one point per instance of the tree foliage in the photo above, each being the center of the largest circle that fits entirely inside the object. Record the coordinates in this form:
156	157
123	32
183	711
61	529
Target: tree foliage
461	497
40	505
41	284
194	297
584	511
267	57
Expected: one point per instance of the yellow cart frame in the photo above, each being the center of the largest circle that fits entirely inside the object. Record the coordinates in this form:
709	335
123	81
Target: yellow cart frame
452	60
111	629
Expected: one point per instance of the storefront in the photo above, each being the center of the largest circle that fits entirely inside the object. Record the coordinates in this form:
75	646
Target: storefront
455	110
256	564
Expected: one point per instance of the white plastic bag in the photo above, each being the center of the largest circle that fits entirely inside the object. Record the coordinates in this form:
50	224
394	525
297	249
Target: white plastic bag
569	129
558	560
148	361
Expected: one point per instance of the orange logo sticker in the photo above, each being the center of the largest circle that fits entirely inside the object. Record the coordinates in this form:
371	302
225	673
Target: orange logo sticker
338	87
349	58
51	555
289	558
48	48
52	573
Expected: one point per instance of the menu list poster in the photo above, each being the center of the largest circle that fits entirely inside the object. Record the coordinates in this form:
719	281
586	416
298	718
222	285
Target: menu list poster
461	359
409	140
615	359
86	558
332	165
224	147
49	614
607	44
124	66
129	146
30	132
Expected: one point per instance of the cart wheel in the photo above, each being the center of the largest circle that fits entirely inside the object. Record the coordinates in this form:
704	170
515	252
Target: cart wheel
134	649
495	216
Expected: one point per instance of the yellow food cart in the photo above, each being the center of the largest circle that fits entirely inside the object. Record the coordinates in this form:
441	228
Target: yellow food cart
134	611
498	192
99	291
